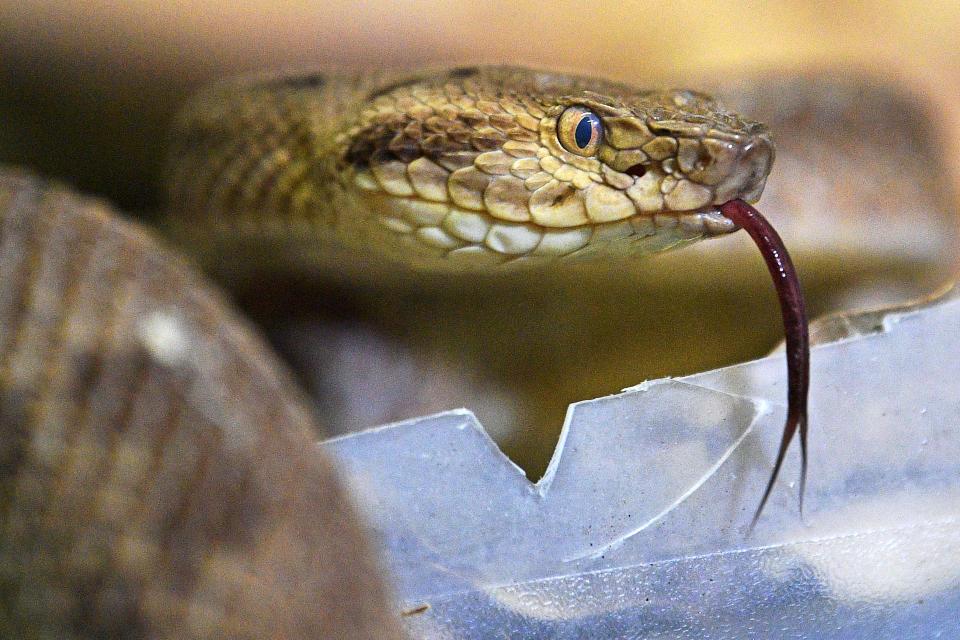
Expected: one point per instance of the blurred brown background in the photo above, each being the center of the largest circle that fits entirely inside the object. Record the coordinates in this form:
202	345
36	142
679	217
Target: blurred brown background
862	97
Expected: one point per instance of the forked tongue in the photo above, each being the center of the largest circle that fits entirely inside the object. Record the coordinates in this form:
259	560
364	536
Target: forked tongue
795	330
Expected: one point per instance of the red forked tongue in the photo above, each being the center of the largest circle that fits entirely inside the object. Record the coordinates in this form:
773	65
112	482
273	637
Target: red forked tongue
795	330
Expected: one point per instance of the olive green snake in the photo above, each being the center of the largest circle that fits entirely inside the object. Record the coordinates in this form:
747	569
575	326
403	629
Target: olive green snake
474	169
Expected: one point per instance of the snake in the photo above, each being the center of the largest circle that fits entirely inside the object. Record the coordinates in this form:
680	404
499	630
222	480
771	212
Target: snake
476	169
471	170
465	169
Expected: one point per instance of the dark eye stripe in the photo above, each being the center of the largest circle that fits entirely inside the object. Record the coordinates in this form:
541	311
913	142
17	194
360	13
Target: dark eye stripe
584	131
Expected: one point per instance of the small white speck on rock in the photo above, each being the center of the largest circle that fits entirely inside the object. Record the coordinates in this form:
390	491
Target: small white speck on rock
163	335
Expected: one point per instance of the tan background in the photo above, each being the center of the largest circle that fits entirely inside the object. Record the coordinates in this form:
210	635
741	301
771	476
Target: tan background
86	89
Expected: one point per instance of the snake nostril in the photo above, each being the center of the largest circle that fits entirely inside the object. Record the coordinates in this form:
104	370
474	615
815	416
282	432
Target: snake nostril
637	171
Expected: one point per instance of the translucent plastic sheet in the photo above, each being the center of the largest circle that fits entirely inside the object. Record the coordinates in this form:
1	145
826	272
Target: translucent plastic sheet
638	529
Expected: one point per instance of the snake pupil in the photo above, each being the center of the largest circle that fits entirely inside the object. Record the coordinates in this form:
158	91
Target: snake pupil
584	131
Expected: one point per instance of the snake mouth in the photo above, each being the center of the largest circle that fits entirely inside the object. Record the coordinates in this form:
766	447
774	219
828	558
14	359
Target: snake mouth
706	221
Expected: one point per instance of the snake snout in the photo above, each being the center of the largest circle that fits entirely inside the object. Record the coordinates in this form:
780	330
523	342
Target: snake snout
750	171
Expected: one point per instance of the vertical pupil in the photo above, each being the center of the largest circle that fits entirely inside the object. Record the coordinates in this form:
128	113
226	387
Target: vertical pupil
584	131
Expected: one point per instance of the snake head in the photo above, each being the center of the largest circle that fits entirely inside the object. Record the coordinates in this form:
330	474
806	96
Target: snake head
683	150
519	162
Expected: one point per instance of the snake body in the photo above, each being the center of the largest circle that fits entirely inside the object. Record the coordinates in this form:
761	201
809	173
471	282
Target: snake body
463	169
157	477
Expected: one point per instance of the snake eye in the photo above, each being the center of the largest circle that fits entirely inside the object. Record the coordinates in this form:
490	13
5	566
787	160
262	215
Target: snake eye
580	131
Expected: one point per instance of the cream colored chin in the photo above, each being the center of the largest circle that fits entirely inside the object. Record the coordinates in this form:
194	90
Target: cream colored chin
443	229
